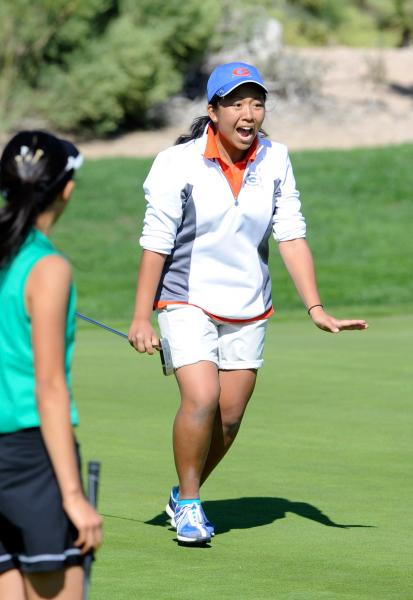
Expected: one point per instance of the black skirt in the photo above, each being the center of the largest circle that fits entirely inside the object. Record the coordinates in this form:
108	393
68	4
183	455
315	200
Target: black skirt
36	535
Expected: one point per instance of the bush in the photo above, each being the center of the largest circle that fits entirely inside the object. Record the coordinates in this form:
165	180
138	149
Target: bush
96	65
117	77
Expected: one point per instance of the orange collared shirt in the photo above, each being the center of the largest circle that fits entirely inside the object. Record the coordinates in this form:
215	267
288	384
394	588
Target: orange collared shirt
234	173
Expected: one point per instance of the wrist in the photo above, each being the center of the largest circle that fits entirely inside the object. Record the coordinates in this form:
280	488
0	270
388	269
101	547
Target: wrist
314	306
71	493
142	317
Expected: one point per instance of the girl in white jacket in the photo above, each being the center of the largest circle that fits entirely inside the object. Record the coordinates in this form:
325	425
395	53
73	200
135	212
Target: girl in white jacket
214	200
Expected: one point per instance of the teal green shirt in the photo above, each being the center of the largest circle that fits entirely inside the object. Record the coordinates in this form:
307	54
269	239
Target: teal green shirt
18	409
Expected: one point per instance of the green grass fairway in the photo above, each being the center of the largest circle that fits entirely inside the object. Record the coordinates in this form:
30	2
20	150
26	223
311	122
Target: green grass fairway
312	503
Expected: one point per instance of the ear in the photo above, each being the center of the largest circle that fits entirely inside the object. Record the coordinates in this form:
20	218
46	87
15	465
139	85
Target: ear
67	190
212	113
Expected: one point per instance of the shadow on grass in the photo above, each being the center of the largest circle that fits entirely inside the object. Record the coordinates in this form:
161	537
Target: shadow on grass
245	513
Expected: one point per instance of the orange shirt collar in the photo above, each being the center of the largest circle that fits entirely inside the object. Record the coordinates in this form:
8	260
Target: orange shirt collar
212	150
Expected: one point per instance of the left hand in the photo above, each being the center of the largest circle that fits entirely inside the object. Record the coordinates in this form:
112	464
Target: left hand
329	323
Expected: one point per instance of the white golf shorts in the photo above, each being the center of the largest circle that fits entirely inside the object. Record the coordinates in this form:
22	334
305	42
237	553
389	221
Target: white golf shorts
194	336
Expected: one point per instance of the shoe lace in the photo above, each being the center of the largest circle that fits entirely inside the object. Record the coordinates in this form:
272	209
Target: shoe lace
190	513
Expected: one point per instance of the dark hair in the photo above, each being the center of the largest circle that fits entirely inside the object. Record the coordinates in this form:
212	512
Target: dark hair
33	171
196	131
198	125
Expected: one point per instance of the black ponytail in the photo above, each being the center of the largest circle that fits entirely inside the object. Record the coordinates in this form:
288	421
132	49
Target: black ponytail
33	171
196	131
198	126
16	220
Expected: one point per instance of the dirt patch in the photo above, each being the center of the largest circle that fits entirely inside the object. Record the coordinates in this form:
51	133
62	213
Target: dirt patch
367	100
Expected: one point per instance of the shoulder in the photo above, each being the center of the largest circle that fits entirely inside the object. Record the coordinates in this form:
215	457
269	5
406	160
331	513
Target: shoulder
180	151
48	286
51	271
273	148
273	158
176	160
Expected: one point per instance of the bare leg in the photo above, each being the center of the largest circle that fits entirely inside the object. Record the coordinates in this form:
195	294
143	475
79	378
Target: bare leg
236	390
200	389
66	584
12	585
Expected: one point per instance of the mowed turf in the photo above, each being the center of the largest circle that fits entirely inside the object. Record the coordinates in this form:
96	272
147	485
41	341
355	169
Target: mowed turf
312	503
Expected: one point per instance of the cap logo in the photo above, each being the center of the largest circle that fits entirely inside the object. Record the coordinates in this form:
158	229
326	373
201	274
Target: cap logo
241	72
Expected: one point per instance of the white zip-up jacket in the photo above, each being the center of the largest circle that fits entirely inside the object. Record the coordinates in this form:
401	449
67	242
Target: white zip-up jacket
217	245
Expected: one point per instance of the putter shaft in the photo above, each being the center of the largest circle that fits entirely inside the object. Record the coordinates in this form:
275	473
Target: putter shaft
85	318
165	351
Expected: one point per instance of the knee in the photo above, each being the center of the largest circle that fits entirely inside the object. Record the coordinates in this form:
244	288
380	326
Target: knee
203	402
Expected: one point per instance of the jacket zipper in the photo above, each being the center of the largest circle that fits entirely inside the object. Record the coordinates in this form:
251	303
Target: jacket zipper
218	166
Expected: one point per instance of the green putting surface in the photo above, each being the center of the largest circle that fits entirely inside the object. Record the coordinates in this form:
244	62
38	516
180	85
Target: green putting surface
312	503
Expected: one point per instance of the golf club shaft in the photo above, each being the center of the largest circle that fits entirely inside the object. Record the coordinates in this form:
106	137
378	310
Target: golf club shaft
164	348
89	320
92	494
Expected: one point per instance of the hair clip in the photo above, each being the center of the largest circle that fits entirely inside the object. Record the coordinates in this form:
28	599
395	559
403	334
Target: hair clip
37	155
74	162
27	156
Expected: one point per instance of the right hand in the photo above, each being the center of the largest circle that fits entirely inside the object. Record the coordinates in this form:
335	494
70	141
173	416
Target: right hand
86	520
143	337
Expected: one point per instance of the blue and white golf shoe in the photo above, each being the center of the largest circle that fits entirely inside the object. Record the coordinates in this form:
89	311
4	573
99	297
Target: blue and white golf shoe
171	507
172	503
190	527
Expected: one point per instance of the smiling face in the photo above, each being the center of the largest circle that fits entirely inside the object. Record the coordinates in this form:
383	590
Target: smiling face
237	119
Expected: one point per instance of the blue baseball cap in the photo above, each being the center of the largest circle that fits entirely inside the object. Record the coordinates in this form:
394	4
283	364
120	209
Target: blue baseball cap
229	76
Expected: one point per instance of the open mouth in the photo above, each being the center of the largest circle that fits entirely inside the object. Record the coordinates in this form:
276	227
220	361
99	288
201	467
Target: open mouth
245	132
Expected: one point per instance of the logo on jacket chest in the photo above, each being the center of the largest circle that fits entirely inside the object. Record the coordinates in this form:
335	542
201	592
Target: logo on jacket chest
253	178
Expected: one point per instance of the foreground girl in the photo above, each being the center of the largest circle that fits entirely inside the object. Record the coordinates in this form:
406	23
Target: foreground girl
46	524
